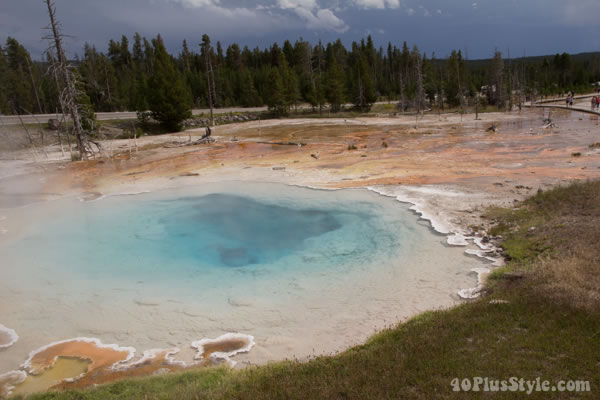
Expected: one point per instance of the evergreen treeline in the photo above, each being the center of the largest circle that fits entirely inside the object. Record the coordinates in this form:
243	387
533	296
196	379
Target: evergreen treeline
141	75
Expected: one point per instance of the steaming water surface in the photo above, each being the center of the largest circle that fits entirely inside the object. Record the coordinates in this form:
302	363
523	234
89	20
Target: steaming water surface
299	269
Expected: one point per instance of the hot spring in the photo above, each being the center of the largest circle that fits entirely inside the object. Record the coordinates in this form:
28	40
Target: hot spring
303	271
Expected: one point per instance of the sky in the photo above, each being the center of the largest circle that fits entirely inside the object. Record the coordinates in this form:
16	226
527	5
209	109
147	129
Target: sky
477	27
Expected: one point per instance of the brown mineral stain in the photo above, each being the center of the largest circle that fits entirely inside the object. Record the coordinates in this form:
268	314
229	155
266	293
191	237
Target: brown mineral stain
223	346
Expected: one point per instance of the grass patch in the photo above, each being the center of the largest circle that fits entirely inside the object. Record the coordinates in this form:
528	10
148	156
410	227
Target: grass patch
547	325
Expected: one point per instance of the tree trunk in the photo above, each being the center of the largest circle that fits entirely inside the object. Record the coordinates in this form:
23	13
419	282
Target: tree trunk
70	90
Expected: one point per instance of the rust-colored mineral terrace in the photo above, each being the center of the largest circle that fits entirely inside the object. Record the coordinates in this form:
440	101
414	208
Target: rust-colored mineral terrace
83	362
441	150
100	356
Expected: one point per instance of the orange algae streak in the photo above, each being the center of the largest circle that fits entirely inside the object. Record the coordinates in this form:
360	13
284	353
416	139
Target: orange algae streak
224	346
99	355
82	362
152	362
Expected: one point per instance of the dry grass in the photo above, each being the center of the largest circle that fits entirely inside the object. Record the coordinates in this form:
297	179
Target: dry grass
571	279
554	237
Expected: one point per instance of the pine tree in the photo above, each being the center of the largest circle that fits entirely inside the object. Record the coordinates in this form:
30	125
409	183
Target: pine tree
4	107
363	91
20	81
168	97
248	94
452	80
274	93
335	86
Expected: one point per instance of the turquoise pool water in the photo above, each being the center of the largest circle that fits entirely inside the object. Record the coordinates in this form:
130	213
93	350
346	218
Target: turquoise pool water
168	237
294	267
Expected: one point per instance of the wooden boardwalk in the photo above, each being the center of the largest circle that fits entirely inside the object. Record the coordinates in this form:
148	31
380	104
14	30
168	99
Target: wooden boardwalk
582	104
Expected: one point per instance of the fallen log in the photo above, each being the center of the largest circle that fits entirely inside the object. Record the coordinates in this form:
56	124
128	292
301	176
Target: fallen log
284	143
204	140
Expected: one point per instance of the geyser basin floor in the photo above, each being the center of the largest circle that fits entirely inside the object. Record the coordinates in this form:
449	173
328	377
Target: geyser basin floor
303	271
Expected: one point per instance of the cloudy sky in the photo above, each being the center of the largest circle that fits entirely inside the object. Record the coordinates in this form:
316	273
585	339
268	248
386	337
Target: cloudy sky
523	27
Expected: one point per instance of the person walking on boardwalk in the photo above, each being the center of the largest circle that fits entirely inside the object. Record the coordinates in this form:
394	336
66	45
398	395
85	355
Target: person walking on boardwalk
597	102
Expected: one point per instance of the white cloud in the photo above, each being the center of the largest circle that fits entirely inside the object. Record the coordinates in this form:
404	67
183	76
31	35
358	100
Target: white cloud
322	19
215	8
314	17
196	3
438	11
307	4
308	12
378	4
410	12
426	13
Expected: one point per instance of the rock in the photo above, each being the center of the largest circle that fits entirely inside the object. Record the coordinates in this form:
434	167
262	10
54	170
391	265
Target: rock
499	301
53	124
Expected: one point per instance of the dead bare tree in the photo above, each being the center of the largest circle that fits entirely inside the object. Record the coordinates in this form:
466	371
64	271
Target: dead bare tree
40	129
420	93
63	121
69	92
31	142
210	75
62	149
402	98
